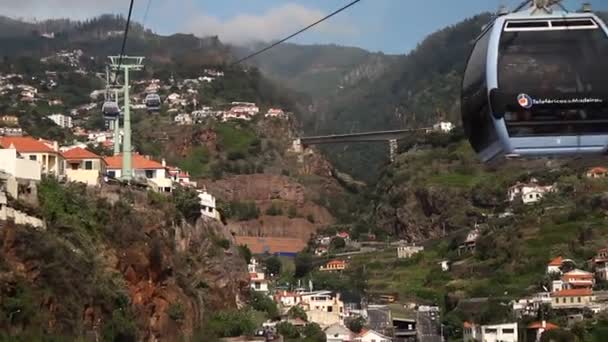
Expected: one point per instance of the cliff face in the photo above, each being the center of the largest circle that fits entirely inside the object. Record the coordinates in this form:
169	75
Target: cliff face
281	192
145	275
442	189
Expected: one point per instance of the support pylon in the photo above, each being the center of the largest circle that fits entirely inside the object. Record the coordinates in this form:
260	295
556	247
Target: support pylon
126	63
116	128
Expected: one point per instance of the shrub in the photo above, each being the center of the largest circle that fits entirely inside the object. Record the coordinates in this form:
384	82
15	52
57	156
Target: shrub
231	323
274	210
176	312
273	265
288	330
261	302
245	252
187	203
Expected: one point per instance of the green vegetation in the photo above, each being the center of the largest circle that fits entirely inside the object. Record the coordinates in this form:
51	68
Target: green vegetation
237	139
197	162
187	203
241	211
273	265
263	303
231	324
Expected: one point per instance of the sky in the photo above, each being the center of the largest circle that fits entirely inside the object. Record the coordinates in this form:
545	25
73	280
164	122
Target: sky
389	26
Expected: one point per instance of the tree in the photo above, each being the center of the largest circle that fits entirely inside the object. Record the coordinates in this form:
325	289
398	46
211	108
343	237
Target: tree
273	266
261	302
231	323
303	264
187	203
355	324
557	335
313	332
337	243
245	253
297	312
288	330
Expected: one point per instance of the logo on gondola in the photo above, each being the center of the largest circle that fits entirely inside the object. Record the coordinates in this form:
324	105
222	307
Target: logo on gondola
525	101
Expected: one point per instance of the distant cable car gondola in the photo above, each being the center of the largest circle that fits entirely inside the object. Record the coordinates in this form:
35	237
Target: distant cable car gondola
153	102
536	83
110	110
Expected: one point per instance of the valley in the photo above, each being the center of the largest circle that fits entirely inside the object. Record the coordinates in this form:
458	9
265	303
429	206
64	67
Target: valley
220	229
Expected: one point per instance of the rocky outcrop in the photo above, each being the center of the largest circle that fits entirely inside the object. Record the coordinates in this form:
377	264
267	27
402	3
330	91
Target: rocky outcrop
171	274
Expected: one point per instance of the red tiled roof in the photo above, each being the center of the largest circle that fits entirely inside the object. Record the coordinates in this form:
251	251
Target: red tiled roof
467	324
539	325
577	277
79	153
25	144
598	170
556	262
139	162
261	245
573	293
336	262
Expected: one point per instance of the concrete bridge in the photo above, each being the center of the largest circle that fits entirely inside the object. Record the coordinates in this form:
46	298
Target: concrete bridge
391	137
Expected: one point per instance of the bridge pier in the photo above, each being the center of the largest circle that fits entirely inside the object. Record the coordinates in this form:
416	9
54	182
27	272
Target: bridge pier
393	147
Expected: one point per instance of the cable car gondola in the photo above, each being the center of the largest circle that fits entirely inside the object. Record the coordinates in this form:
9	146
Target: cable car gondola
536	84
153	102
110	110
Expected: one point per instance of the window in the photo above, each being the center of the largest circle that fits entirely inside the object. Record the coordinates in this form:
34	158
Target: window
88	165
477	121
564	300
112	174
33	158
330	309
554	65
579	299
149	174
491	331
571	299
508	331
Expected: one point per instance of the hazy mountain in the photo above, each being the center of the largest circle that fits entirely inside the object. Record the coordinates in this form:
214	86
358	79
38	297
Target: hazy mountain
318	69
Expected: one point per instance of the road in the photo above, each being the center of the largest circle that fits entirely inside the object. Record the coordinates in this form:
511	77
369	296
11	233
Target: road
428	326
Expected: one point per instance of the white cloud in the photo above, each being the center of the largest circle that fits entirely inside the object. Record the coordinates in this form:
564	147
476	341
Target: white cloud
272	25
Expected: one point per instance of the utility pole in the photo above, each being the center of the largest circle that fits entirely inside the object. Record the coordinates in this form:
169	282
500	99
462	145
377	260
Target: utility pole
126	63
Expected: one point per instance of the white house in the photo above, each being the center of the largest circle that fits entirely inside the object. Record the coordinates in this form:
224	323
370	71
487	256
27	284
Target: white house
324	301
371	336
406	252
84	166
143	168
540	327
275	113
258	282
183	119
555	265
208	205
174	97
445	265
61	120
338	333
47	155
530	192
15	165
444	127
490	333
288	299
